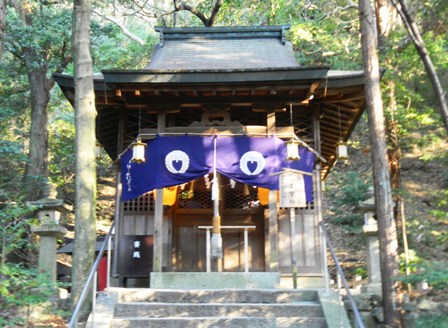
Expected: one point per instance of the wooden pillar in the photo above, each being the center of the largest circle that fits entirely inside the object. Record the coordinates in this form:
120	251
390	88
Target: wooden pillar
273	214
118	202
270	122
318	195
118	213
158	231
158	212
273	231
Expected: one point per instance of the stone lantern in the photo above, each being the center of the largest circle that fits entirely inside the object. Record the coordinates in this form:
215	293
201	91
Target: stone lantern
49	230
370	229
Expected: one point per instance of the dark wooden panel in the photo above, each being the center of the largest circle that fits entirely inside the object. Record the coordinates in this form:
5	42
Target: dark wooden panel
135	254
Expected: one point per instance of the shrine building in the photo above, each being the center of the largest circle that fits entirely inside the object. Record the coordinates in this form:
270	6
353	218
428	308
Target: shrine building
221	144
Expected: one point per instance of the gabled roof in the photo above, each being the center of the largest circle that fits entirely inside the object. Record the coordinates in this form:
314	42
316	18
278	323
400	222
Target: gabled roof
243	70
222	48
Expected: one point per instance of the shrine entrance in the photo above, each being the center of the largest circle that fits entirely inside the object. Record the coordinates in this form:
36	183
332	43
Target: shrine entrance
240	208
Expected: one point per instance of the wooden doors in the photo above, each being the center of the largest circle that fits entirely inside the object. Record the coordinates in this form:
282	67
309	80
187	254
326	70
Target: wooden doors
189	241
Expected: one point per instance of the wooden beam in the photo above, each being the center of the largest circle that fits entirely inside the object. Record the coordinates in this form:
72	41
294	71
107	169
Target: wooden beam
183	100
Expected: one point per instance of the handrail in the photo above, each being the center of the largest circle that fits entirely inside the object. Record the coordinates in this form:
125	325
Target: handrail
74	319
355	310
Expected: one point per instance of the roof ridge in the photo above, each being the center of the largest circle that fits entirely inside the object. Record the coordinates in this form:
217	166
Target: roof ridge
222	29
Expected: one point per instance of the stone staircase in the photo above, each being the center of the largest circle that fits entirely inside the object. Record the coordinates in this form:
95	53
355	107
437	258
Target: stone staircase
228	308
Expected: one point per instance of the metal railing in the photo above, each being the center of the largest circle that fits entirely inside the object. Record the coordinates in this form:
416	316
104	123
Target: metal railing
343	280
92	279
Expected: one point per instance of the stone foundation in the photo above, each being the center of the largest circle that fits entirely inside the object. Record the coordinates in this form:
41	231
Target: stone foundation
214	280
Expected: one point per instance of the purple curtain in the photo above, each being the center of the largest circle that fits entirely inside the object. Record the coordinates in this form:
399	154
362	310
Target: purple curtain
176	160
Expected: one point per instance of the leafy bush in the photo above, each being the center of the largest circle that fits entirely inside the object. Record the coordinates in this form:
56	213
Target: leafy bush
14	230
360	271
414	262
348	190
435	274
352	188
21	287
432	321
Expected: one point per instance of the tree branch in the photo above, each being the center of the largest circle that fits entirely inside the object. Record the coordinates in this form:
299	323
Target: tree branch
65	60
420	46
350	5
123	28
216	7
180	5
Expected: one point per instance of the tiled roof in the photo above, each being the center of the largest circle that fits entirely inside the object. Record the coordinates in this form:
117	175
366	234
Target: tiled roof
222	48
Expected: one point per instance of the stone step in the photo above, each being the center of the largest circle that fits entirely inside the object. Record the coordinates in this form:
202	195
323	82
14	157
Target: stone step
220	322
217	296
160	310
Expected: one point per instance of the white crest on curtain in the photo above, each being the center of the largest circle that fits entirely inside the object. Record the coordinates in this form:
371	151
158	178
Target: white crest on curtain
176	156
252	157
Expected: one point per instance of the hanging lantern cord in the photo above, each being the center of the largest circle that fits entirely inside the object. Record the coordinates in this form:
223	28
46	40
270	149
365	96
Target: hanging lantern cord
139	119
340	128
290	118
341	147
290	113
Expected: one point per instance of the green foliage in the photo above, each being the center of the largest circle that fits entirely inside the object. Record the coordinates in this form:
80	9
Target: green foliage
414	262
113	50
12	164
432	321
440	197
39	39
434	273
347	189
319	33
352	222
416	107
61	150
14	130
14	227
21	287
432	231
360	271
241	12
352	188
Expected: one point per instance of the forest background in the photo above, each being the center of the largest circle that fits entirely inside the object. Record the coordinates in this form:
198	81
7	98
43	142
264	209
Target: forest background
38	131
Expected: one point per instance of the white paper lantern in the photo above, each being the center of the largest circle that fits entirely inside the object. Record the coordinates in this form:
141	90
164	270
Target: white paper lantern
292	150
98	150
341	150
138	151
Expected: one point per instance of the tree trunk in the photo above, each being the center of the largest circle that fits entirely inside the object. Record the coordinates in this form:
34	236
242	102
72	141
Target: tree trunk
383	195
2	24
85	114
385	20
420	46
394	154
37	166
